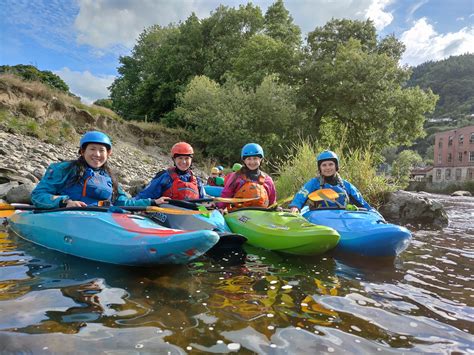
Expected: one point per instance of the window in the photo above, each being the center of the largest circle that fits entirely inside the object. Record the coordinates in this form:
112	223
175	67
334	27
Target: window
470	174
461	139
458	174
440	143
447	174
438	174
440	159
450	141
460	156
471	156
450	157
471	140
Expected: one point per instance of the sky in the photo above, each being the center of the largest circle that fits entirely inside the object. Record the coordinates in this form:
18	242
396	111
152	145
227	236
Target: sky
82	40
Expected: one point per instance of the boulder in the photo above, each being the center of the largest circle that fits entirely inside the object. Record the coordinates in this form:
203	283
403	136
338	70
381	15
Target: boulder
4	188
461	193
21	193
416	209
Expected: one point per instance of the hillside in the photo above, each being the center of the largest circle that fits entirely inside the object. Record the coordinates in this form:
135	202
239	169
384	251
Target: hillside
453	80
39	125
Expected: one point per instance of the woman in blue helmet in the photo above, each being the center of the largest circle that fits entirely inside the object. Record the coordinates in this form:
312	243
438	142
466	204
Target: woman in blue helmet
85	181
250	181
329	178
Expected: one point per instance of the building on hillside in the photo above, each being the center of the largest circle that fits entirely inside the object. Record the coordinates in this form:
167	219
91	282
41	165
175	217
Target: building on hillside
454	156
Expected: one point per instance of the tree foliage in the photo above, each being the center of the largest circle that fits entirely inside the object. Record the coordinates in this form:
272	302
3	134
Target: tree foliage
402	165
30	72
350	78
222	118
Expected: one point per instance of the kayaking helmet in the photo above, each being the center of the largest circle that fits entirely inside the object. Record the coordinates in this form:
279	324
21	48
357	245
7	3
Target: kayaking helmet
252	150
182	148
214	171
236	167
220	167
327	155
95	137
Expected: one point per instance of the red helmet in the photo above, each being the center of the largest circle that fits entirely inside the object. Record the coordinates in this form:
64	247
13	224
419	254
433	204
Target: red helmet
182	148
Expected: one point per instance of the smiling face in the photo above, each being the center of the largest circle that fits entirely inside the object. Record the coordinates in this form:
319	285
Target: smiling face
327	168
96	155
183	162
252	163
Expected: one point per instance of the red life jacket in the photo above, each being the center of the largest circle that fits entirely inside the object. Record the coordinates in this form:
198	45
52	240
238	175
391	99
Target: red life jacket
181	190
252	189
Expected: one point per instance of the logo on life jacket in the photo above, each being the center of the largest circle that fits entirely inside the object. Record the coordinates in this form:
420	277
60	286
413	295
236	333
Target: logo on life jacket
182	190
252	189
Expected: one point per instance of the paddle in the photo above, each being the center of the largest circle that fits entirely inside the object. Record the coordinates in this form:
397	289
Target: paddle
327	195
147	209
223	199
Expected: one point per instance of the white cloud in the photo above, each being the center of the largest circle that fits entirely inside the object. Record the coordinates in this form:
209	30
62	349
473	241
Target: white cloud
107	23
423	43
86	85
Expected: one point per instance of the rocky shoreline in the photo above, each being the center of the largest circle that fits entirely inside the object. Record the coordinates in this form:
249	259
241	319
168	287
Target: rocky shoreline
24	159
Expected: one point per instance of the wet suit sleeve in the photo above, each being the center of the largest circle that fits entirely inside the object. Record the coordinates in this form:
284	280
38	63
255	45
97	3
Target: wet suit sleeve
302	195
270	185
202	192
47	194
123	200
355	197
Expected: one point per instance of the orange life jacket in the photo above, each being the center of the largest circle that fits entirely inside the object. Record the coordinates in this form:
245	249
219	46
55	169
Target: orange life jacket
182	190
251	189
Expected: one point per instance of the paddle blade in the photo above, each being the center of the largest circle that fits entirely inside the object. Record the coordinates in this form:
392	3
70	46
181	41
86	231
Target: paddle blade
173	210
6	207
321	195
6	213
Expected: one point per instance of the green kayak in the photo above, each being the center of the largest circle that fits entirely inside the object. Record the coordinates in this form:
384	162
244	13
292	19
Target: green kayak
281	231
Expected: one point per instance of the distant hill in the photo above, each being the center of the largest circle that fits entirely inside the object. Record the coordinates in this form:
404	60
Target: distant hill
453	80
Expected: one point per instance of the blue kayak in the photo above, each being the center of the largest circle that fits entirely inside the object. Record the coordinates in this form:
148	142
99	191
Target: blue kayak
117	238
362	232
214	191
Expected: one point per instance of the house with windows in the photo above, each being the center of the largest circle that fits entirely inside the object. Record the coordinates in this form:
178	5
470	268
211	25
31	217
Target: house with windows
454	156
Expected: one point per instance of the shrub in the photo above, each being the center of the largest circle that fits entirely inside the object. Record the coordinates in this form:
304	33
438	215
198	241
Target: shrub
28	108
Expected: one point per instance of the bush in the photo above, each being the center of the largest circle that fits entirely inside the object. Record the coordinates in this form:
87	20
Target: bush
28	108
358	167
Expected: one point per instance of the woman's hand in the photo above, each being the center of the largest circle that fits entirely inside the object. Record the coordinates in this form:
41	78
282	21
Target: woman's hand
161	200
71	203
294	210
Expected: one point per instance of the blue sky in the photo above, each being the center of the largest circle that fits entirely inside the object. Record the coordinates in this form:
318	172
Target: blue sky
82	40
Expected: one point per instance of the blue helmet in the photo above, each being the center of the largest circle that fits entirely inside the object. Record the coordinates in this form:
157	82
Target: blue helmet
327	155
252	150
220	167
96	137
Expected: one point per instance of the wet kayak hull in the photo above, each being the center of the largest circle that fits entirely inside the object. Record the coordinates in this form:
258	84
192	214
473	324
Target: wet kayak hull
362	232
281	231
116	238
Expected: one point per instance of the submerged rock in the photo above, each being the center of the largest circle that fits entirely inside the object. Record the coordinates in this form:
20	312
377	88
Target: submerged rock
461	193
416	209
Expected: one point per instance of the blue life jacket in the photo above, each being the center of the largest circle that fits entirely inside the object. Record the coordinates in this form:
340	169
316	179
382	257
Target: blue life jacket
95	186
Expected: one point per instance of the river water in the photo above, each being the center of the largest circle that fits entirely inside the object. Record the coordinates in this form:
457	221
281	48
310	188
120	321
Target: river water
262	302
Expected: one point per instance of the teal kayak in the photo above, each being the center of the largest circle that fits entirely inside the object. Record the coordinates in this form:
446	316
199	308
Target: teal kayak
281	231
117	238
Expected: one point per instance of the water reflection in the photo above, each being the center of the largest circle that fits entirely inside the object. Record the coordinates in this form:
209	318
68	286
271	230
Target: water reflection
246	301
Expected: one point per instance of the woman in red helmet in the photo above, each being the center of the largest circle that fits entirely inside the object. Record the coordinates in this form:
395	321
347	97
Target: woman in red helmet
177	182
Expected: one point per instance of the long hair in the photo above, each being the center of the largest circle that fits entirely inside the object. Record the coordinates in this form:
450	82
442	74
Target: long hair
79	167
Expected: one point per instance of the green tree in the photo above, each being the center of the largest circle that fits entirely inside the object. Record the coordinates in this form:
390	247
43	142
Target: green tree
222	118
279	25
401	167
354	81
30	72
107	103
